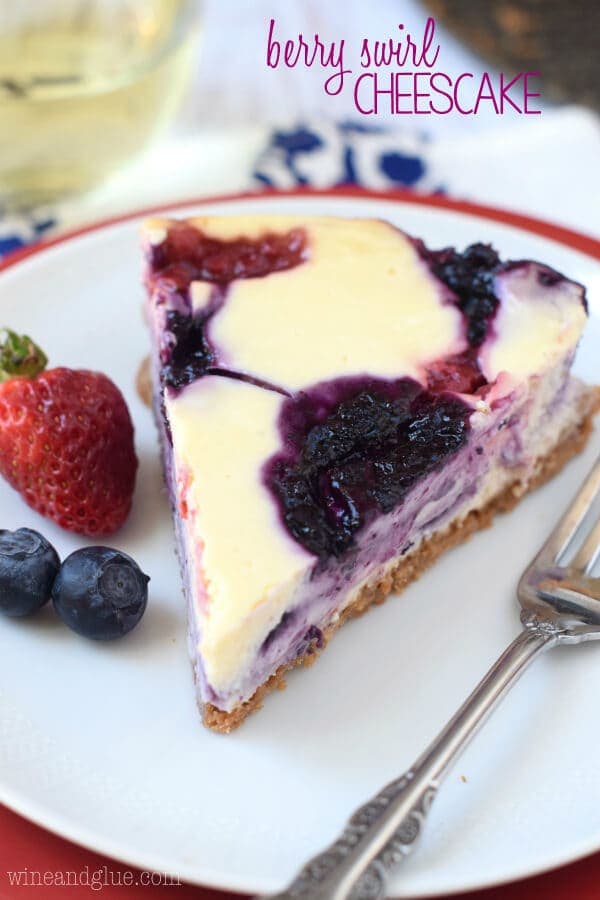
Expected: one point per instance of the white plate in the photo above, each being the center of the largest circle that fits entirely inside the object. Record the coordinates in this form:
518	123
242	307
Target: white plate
103	744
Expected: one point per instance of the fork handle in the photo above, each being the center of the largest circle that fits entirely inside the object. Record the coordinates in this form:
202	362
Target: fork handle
385	829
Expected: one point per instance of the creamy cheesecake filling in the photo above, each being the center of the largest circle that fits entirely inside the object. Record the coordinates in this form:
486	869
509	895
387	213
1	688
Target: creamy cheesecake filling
246	641
247	566
360	302
355	298
539	317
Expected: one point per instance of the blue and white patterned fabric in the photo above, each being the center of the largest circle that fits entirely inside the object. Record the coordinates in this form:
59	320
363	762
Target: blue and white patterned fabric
321	156
18	231
510	166
344	153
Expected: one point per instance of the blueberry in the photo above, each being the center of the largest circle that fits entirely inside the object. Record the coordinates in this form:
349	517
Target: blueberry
355	447
100	593
28	567
191	355
470	276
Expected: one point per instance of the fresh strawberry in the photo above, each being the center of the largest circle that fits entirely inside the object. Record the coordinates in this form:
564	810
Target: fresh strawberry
66	440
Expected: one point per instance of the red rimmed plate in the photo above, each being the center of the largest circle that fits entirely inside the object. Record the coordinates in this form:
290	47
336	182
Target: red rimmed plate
103	744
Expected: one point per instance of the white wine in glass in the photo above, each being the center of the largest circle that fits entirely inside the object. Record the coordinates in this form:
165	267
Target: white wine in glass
84	86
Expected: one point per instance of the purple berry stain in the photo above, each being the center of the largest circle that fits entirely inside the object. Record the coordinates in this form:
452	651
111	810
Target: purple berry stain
353	448
188	255
470	276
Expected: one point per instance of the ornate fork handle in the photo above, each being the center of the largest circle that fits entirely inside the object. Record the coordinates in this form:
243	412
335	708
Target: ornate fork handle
326	873
385	829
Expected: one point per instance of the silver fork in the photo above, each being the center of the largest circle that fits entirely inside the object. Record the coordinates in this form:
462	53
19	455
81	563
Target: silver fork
560	604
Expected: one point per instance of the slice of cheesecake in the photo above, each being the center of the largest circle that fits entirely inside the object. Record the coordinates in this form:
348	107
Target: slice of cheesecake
338	405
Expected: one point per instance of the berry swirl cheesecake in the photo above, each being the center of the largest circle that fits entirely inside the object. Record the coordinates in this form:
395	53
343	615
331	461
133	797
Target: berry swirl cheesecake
337	406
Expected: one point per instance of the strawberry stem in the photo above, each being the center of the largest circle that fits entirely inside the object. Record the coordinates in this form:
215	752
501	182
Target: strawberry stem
19	356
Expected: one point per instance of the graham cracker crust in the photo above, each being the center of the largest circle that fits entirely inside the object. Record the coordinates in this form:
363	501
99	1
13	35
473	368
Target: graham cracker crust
409	569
